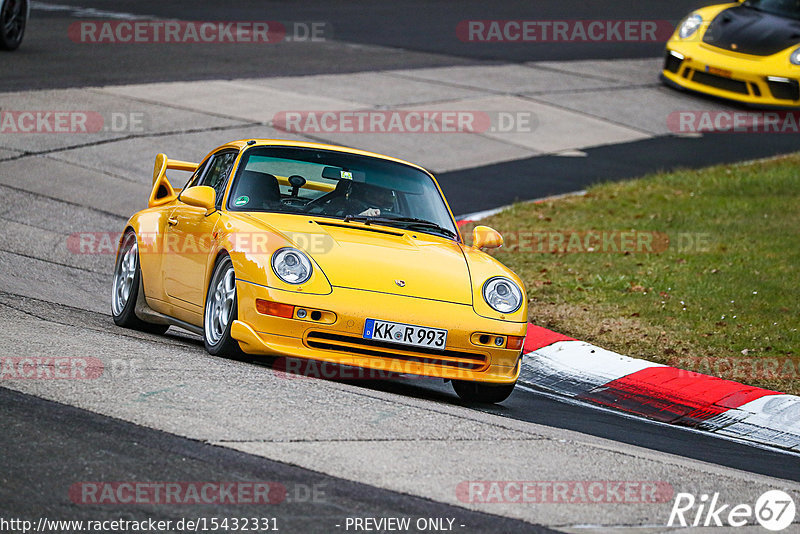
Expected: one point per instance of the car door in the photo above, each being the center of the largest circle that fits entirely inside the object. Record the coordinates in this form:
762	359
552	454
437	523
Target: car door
188	236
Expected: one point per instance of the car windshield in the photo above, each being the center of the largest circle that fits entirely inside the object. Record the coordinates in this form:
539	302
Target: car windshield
783	8
334	184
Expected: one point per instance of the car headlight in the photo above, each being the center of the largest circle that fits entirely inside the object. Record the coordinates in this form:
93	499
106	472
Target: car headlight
795	57
502	294
690	25
291	265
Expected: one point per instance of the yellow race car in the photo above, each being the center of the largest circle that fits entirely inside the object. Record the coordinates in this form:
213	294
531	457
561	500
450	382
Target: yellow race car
748	51
326	253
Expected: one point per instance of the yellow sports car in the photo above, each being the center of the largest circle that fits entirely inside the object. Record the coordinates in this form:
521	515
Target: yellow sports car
748	51
326	253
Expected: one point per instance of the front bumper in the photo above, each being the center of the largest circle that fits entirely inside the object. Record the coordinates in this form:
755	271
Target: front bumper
768	81
335	334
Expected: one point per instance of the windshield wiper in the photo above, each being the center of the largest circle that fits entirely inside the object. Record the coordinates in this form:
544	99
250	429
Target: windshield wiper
408	221
413	221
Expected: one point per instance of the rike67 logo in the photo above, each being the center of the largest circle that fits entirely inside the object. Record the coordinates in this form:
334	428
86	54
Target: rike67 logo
774	510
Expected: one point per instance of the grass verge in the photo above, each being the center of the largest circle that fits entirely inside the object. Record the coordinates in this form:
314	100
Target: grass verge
699	269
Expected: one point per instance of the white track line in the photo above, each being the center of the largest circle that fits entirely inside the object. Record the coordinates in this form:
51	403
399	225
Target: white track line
88	12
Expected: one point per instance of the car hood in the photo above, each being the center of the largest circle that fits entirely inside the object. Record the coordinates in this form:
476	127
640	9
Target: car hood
378	258
749	31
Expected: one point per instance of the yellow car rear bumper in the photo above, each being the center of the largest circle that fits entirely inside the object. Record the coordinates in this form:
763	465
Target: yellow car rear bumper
769	81
335	334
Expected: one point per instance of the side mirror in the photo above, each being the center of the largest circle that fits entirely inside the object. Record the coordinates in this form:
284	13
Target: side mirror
485	237
201	196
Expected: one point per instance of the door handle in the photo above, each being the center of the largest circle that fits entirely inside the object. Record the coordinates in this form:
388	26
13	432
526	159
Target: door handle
172	221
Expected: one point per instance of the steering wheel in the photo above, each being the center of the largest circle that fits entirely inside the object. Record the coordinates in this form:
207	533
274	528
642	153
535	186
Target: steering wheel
319	205
314	205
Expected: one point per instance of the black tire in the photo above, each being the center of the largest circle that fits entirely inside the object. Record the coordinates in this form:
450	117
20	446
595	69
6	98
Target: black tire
219	316
126	292
482	393
13	19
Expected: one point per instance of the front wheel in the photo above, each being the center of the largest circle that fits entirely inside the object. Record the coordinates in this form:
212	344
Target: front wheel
13	17
221	310
479	392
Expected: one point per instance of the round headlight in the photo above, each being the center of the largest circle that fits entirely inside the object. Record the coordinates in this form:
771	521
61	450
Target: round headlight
291	265
795	57
502	294
690	25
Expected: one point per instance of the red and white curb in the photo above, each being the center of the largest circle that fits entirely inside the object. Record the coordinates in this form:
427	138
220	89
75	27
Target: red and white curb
570	368
579	370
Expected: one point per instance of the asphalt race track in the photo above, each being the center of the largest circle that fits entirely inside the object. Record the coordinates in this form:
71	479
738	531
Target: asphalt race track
368	37
113	448
160	409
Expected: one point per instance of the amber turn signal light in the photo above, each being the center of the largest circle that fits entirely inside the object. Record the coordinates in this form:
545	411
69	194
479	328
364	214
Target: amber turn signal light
277	309
515	342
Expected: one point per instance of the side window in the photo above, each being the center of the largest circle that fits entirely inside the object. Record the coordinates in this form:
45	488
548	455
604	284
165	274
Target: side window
216	173
197	174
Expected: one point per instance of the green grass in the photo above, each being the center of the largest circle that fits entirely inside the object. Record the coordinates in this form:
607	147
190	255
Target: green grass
724	307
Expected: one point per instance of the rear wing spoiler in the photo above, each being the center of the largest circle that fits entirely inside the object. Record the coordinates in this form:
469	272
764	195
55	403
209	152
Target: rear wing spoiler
162	191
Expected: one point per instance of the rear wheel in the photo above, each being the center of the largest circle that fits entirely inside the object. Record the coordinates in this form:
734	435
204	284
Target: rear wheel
221	310
13	18
127	283
482	393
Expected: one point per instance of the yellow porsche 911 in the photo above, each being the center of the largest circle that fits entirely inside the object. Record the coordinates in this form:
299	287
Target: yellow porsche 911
325	253
748	51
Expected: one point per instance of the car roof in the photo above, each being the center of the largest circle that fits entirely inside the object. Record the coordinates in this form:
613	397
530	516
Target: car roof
249	143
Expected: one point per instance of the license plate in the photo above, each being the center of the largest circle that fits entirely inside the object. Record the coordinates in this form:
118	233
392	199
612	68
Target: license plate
719	72
405	334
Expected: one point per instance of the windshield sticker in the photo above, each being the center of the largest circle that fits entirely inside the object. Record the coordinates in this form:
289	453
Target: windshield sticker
241	201
347	175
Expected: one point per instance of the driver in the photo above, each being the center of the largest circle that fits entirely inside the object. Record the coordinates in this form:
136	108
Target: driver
377	200
355	198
